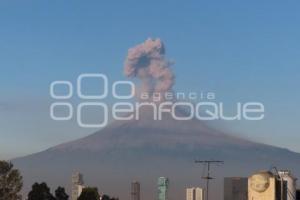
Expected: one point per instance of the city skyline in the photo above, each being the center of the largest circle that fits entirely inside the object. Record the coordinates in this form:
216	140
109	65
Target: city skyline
263	185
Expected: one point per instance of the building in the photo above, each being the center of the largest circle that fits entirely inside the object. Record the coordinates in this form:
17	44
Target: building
264	185
194	193
163	185
190	193
79	189
77	185
289	184
235	188
135	190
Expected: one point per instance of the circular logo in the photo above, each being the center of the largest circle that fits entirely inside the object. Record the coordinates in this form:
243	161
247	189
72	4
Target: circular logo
260	182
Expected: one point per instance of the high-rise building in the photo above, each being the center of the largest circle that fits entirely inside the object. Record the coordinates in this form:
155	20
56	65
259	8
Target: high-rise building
135	190
289	184
163	185
194	193
77	185
235	188
189	193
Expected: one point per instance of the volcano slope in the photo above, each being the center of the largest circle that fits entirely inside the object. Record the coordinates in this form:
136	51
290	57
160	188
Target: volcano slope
146	149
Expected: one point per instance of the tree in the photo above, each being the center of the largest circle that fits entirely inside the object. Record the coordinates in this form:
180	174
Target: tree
89	194
106	197
60	194
10	182
40	192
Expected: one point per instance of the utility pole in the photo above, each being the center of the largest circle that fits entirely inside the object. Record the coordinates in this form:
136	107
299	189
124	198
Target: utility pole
208	177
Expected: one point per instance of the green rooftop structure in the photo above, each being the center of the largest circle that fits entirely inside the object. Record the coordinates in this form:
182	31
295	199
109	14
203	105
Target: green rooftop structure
163	184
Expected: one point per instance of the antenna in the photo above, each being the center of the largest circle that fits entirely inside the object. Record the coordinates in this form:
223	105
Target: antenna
208	177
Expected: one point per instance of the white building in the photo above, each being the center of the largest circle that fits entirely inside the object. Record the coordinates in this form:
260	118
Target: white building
77	185
194	193
79	189
262	186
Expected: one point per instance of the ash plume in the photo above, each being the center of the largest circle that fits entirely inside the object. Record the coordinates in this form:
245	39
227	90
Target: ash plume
147	62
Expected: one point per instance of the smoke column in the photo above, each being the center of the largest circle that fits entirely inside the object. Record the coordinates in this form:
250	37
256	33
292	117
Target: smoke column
147	62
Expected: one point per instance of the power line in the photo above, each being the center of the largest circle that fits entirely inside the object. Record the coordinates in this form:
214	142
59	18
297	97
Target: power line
208	177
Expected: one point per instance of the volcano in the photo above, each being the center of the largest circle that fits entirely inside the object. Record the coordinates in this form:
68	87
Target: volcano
146	149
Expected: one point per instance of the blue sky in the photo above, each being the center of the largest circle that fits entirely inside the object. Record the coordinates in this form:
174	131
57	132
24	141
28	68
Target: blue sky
242	51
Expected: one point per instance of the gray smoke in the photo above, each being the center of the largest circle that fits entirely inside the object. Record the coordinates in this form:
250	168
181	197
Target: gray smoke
147	62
